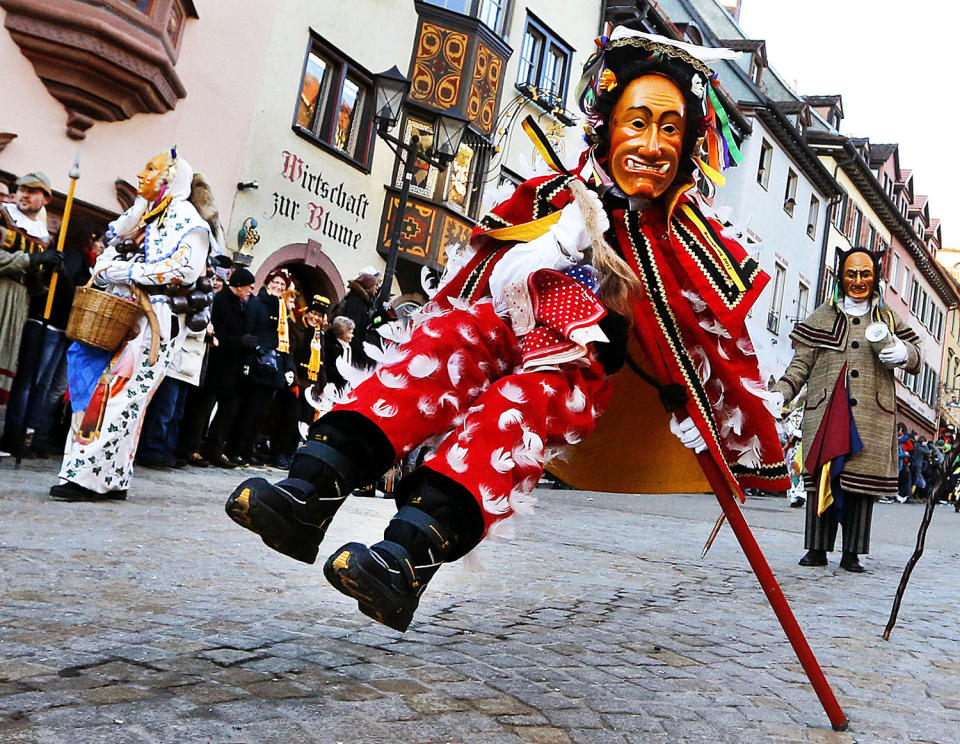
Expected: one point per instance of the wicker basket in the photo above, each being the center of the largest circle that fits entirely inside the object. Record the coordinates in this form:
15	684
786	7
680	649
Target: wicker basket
99	319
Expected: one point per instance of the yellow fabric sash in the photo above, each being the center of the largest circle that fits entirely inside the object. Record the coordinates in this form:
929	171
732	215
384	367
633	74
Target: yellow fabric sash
283	333
316	346
721	253
824	491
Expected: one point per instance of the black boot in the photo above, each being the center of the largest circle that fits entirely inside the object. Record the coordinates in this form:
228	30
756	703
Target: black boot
344	451
850	562
814	558
442	522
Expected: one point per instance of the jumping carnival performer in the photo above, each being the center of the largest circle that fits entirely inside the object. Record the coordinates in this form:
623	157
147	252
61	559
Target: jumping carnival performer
574	275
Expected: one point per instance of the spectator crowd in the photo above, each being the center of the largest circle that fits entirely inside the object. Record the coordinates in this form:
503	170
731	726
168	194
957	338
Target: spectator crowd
245	388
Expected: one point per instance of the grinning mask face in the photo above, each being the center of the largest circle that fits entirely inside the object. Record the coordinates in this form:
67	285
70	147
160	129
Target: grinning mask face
646	136
858	276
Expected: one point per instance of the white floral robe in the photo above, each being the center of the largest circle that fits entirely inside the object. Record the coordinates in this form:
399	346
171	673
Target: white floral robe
103	437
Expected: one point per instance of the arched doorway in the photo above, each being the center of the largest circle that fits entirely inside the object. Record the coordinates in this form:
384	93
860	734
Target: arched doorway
312	269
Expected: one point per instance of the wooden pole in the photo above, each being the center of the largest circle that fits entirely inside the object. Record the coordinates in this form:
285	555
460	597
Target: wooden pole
768	582
62	237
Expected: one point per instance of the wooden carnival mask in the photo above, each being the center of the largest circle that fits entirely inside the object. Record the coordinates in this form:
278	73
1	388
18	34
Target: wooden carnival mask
858	276
153	178
647	127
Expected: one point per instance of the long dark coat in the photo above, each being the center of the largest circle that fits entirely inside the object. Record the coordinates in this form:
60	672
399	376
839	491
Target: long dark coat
827	340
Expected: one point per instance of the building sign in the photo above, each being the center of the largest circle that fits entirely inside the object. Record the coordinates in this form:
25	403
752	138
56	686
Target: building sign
327	209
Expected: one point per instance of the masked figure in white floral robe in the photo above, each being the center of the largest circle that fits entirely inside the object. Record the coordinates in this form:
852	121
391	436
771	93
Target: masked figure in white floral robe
159	245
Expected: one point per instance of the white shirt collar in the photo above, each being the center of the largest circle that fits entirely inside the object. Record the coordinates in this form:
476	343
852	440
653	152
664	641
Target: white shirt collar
855	307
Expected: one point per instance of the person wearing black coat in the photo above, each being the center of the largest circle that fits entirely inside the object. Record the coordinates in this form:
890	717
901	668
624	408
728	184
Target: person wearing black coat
307	344
232	344
267	369
358	306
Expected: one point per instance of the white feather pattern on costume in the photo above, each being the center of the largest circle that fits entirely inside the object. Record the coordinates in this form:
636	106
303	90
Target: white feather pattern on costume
466	434
771	399
522	499
389	356
335	397
458	304
746	346
423	366
714	326
468	334
573	437
451	399
458	256
577	401
509	417
721	351
696	301
382	409
749	452
427	407
513	392
716	384
556	453
428	280
501	460
533	442
494	503
528	456
457	458
396	332
455	367
732	421
351	374
429	330
392	380
548	389
701	362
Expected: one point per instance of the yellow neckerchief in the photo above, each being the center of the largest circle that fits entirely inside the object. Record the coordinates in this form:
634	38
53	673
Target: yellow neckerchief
283	333
160	207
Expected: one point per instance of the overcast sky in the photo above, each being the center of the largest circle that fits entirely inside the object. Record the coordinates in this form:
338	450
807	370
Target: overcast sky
896	66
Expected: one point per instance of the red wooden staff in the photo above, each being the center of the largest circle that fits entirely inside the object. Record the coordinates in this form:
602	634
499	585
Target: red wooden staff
731	509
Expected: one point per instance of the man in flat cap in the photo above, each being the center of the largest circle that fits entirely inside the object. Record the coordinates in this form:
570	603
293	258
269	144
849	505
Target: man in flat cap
24	241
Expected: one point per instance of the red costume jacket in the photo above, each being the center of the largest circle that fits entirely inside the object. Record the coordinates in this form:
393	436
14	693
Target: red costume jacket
688	327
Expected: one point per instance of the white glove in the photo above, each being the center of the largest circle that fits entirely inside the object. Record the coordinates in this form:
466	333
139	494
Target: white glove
686	431
288	376
571	232
117	272
894	354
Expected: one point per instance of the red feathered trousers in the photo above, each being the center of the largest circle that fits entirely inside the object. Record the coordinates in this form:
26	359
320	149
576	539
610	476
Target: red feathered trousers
455	379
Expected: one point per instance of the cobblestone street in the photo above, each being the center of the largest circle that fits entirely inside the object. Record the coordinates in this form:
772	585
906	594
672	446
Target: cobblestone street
158	620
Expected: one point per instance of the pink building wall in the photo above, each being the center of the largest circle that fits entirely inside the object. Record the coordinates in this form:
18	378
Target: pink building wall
220	63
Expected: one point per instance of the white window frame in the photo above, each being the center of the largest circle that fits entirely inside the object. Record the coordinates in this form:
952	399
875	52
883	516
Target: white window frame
790	193
765	165
776	299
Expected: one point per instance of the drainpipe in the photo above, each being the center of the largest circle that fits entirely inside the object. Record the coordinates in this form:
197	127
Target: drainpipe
824	241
